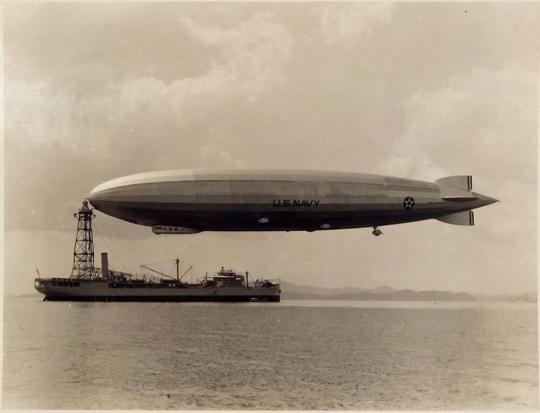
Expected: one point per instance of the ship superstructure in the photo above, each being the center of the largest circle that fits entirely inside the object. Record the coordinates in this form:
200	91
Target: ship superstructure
90	283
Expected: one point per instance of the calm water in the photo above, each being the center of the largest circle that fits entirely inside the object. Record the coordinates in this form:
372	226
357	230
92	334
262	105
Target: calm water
288	355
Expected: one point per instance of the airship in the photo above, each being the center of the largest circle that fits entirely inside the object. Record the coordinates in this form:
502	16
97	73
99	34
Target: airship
191	201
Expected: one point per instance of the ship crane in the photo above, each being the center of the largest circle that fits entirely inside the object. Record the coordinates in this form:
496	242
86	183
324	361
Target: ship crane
178	276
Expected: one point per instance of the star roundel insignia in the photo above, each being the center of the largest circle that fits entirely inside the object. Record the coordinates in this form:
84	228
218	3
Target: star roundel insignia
408	202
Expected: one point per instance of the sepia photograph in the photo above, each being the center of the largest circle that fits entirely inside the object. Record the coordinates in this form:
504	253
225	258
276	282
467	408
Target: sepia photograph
270	205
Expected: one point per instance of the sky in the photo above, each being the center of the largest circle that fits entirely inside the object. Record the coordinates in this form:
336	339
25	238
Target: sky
415	90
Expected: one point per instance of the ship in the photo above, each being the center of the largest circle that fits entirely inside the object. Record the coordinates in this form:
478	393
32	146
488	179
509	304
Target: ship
90	283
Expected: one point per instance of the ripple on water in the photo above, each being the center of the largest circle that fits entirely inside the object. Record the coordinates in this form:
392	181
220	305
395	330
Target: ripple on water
283	356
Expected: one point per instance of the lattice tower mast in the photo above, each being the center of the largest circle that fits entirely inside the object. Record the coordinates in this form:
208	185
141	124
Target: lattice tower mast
83	252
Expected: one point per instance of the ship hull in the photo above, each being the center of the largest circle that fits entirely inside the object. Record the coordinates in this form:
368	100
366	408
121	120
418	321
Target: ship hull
88	290
157	298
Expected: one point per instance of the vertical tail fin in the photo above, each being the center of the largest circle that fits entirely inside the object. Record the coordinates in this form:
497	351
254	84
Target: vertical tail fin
460	218
463	182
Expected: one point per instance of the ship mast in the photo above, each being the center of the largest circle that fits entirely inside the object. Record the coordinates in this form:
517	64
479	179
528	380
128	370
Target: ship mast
83	251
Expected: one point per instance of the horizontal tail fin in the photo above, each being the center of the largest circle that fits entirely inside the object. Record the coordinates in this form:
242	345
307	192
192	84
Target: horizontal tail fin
459	218
463	182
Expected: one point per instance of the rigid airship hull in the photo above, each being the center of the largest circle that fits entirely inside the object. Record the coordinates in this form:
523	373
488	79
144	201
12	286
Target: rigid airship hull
193	201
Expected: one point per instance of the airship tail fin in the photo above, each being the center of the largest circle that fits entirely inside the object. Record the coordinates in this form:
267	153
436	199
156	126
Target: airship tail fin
459	218
463	182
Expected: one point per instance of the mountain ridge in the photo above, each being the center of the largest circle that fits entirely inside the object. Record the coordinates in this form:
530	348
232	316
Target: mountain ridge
291	290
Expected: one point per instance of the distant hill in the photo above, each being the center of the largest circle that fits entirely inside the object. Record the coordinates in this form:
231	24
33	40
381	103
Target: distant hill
384	293
524	297
292	288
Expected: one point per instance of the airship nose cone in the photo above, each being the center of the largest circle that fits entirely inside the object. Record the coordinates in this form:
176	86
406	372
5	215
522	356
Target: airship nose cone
98	195
94	195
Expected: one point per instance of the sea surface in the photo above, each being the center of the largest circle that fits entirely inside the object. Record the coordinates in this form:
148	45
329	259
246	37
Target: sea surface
288	355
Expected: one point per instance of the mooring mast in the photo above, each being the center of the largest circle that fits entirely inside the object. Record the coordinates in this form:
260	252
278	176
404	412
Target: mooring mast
83	252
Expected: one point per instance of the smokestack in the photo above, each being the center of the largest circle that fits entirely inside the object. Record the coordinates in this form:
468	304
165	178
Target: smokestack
104	265
247	279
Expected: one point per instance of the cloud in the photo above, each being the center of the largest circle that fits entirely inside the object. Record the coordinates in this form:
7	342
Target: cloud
23	122
485	119
346	24
220	159
248	58
87	47
246	61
